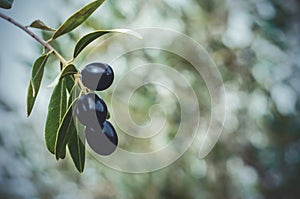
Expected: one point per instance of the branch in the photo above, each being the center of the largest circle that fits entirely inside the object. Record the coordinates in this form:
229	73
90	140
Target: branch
44	43
34	36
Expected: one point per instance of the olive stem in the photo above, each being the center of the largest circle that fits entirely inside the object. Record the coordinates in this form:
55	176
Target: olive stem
45	45
77	79
34	36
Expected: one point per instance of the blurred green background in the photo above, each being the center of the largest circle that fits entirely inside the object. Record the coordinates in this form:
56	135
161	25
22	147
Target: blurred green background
254	43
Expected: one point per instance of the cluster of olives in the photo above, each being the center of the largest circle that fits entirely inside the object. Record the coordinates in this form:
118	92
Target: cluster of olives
92	112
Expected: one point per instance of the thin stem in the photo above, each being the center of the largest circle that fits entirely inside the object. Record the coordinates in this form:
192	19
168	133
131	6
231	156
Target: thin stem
46	45
34	36
78	80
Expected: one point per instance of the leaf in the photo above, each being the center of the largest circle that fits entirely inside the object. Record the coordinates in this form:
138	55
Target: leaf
76	147
40	25
7	4
76	143
74	93
30	98
68	70
77	18
70	82
35	82
56	110
38	71
67	127
88	38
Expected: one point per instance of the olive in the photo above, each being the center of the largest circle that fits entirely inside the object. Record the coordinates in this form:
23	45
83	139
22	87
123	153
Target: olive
91	110
97	76
103	141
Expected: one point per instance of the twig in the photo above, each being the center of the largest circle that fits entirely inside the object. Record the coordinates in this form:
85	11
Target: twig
45	44
34	36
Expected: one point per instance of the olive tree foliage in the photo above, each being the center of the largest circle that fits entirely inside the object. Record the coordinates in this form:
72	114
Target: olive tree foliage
255	45
61	131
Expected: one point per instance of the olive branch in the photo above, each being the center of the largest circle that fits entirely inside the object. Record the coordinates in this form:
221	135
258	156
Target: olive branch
60	129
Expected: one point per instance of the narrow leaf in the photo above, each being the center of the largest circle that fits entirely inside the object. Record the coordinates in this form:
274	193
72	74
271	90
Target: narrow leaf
30	98
56	110
67	74
65	131
7	4
40	25
77	18
74	94
67	126
35	82
88	38
76	143
68	70
38	71
76	147
70	82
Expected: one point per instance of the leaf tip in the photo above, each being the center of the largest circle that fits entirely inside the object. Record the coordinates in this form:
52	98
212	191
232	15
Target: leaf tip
80	172
130	32
29	110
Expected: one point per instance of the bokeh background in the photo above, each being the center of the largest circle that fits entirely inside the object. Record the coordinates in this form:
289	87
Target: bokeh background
254	43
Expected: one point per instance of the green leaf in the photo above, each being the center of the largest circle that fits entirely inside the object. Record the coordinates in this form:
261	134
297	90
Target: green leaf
56	110
74	93
68	70
65	131
76	143
70	82
67	73
30	98
40	25
7	4
38	71
35	82
77	18
88	38
67	127
76	147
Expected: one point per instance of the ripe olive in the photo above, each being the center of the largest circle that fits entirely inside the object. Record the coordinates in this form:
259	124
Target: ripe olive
97	76
91	110
103	141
